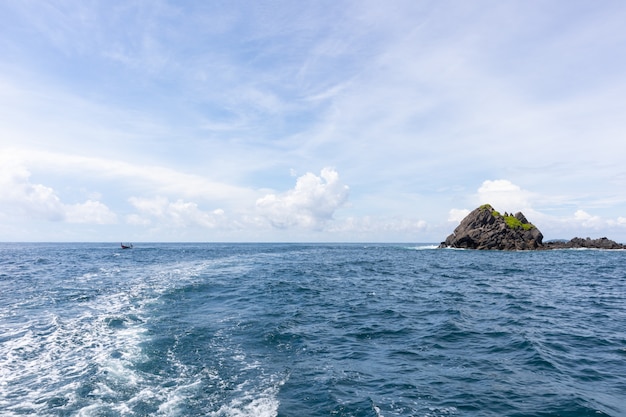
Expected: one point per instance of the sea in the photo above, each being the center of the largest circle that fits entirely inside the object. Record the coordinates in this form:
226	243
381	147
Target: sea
298	330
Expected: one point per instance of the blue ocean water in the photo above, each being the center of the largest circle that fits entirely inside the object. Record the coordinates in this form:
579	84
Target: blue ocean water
310	330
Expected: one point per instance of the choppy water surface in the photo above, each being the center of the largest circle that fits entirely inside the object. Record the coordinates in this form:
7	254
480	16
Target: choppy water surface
310	330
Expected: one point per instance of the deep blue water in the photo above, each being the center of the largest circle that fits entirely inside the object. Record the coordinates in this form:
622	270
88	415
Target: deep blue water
310	330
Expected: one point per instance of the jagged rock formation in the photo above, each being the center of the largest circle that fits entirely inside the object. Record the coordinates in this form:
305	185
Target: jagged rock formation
486	228
588	243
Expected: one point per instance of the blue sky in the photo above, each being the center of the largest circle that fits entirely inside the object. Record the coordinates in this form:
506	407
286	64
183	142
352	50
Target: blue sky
309	121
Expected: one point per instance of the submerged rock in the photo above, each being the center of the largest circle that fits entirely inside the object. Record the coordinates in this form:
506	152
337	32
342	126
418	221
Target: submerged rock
487	229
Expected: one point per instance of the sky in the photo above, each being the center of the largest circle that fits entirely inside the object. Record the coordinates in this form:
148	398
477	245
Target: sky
324	121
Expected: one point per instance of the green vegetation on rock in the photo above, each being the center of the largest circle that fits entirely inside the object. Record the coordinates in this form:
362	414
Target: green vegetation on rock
511	221
490	208
514	223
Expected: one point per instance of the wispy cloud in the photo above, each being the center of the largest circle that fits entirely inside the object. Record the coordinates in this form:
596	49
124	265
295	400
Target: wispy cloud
199	107
133	177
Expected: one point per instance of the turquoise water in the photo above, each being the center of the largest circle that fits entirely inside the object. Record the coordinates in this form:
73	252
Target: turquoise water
310	330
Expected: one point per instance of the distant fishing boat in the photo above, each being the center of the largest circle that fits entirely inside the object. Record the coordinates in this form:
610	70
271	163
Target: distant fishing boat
126	246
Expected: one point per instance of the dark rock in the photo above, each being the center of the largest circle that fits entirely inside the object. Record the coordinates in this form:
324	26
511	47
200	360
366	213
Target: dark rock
588	243
519	216
486	229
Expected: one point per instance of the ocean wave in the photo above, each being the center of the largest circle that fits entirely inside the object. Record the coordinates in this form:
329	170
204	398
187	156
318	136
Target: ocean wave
315	330
423	247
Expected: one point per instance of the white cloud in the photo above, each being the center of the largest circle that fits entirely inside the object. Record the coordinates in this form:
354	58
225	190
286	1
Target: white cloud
173	214
209	112
159	180
580	220
19	195
582	215
586	220
580	223
89	212
503	195
310	204
456	215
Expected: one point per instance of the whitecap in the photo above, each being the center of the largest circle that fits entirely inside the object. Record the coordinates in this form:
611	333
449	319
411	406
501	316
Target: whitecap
423	247
263	404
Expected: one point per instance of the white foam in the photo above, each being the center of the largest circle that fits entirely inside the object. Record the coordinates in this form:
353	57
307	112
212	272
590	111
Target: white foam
423	247
53	355
441	411
49	356
177	397
264	404
91	410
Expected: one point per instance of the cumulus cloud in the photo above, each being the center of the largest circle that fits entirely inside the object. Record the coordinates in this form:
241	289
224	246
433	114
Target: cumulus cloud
310	204
178	213
19	195
503	195
456	215
587	220
583	220
89	212
580	223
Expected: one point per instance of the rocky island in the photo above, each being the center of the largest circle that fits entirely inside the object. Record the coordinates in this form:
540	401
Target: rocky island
487	229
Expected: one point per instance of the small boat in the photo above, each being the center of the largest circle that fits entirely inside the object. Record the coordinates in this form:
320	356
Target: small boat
126	246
